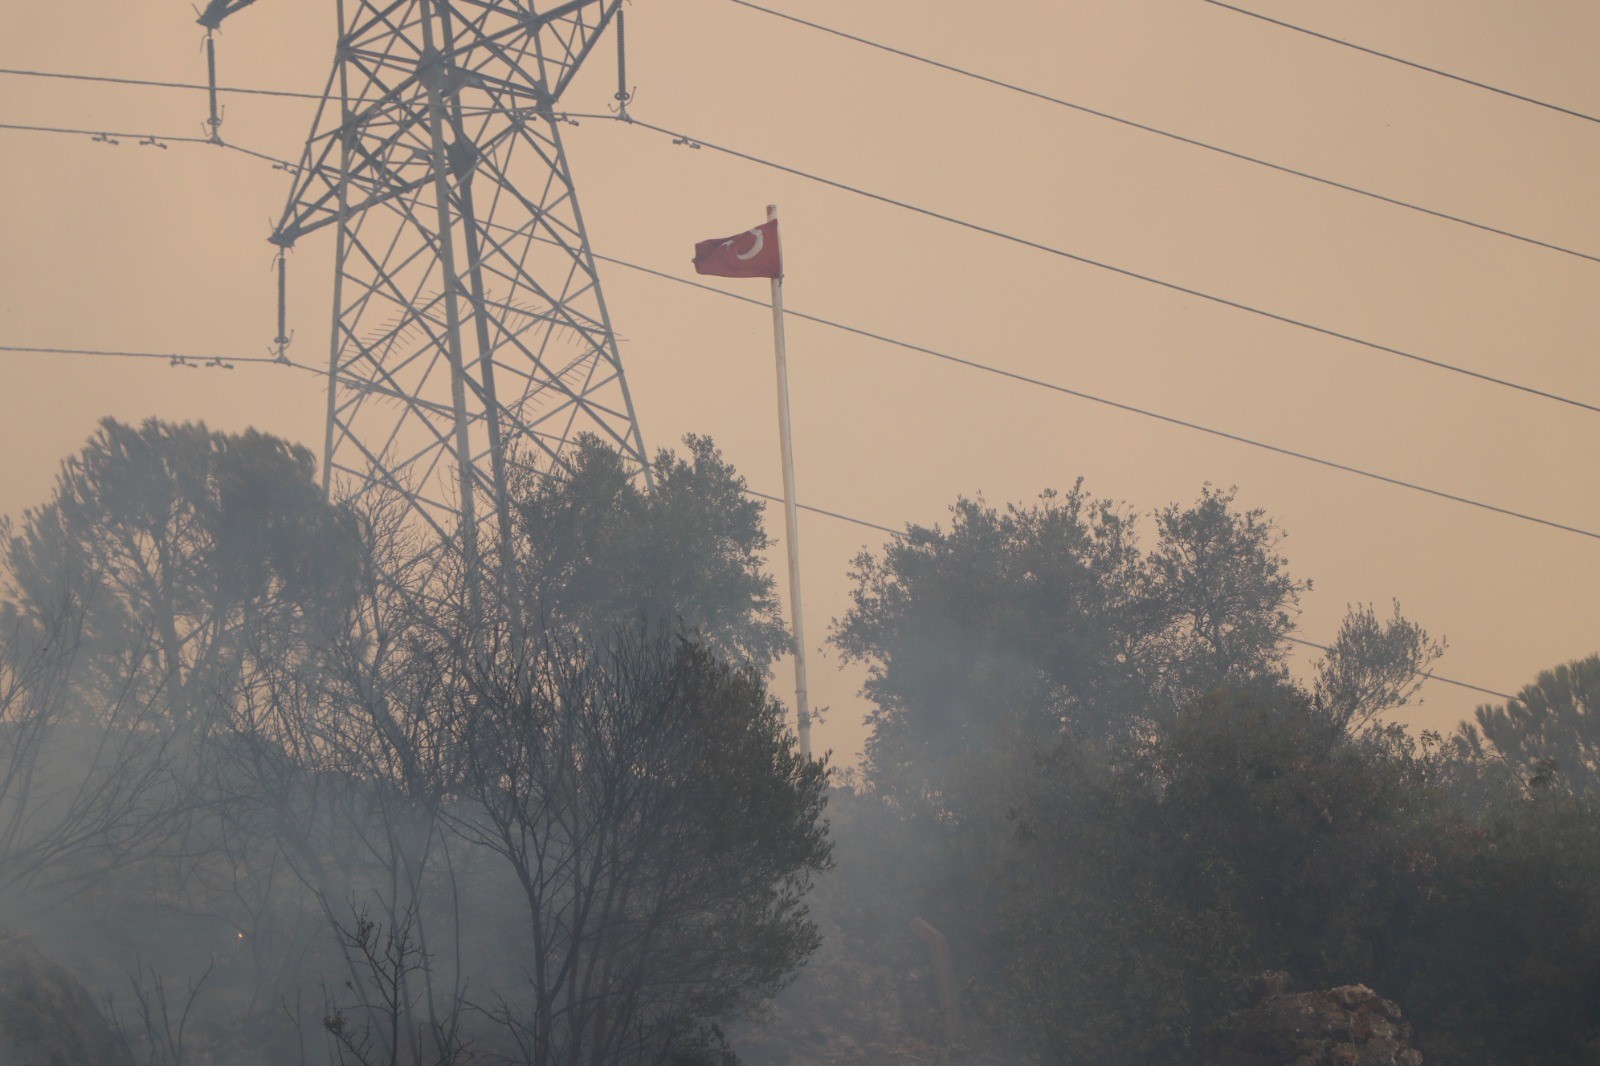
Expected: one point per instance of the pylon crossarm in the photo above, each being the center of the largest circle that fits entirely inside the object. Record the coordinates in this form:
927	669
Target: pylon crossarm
470	339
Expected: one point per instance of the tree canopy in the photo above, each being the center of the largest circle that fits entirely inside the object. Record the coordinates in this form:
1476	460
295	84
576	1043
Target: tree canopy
1014	625
183	545
588	844
598	552
1549	734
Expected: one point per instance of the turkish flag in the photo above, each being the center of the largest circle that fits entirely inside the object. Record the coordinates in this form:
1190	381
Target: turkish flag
751	254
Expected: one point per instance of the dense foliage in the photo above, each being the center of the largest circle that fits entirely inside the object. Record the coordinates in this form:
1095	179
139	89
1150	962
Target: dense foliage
331	799
597	551
1091	771
1550	733
321	796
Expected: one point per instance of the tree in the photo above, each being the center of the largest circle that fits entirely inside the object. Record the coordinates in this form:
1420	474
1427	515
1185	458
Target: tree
661	827
1549	734
1223	591
628	785
186	545
1500	966
1013	626
74	799
1063	713
368	785
597	552
1373	666
1255	834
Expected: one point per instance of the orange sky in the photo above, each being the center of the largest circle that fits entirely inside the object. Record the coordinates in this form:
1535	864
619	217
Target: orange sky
140	248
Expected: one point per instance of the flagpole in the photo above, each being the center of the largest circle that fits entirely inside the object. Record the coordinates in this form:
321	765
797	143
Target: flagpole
790	513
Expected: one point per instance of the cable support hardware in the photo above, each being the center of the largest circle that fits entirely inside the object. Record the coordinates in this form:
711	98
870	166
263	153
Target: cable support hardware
155	139
1178	137
281	341
624	94
1126	272
215	121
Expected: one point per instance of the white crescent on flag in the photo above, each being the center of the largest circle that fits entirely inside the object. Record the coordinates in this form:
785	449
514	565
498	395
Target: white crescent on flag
755	249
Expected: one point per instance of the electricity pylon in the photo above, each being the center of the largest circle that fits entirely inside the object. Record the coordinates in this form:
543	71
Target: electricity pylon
470	335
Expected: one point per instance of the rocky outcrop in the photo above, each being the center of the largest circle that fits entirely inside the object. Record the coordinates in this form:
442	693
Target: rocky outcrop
47	1017
1347	1026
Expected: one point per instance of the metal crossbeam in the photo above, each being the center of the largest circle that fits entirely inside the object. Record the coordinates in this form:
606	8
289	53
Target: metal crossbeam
471	341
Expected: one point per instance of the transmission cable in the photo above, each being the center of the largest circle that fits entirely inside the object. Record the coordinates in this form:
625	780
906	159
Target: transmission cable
973	364
109	136
1127	272
1194	142
1117	404
1404	62
953	69
175	359
827	514
154	140
1419	673
148	83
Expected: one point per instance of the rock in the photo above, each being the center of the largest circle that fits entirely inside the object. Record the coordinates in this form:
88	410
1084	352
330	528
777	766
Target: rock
1347	1026
47	1017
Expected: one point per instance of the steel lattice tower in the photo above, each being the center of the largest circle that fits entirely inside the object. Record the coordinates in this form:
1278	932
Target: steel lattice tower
469	334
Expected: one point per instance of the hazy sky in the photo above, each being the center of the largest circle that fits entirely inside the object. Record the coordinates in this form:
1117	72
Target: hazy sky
139	248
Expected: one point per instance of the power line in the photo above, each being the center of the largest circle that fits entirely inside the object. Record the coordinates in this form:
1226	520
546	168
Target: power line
1405	62
973	364
156	139
153	139
161	84
1194	142
681	138
1419	673
1116	404
826	513
175	359
953	69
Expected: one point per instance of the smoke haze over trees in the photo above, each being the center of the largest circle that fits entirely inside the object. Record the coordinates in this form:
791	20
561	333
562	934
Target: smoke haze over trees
274	781
264	757
1092	772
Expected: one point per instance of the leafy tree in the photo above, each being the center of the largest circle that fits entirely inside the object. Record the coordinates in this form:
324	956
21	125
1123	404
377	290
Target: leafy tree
1255	834
631	789
995	636
589	844
1549	734
1501	965
662	828
597	552
185	545
1220	586
1373	666
1186	812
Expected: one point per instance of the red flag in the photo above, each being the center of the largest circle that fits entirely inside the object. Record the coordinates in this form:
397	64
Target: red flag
751	254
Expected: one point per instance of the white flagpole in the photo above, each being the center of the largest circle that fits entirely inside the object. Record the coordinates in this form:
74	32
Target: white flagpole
790	515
